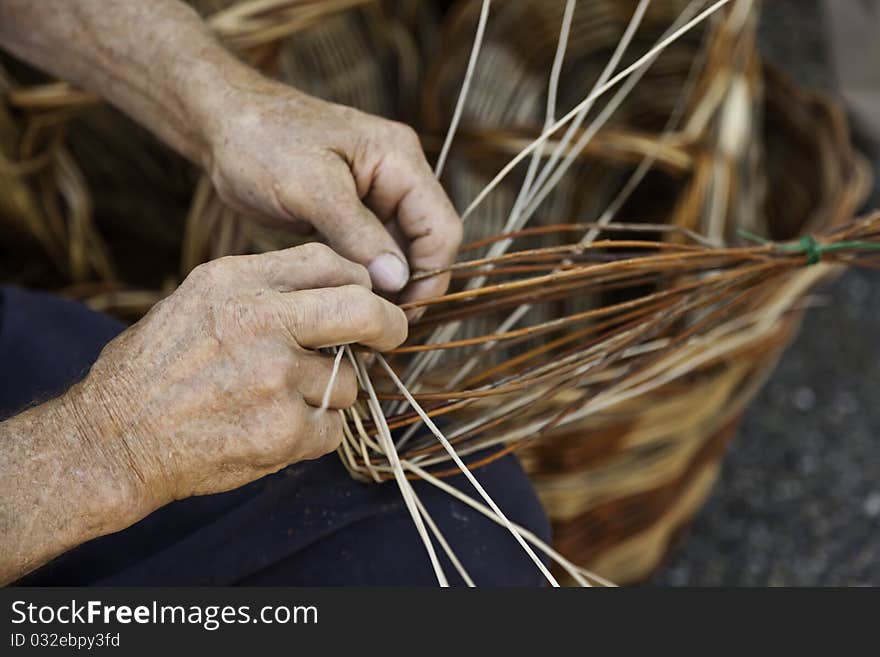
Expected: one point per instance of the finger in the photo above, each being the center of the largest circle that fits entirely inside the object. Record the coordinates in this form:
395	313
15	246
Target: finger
323	432
337	212
395	232
343	315
315	380
406	188
309	266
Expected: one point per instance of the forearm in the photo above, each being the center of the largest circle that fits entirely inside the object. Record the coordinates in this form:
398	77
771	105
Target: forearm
272	153
63	481
157	61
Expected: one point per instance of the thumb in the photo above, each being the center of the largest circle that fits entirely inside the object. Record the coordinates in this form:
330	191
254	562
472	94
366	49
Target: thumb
357	234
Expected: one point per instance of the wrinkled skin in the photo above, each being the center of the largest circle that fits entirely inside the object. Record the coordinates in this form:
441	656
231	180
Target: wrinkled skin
343	172
272	150
249	361
220	383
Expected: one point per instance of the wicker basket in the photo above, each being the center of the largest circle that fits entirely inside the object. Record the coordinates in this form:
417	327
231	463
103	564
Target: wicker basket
748	149
751	151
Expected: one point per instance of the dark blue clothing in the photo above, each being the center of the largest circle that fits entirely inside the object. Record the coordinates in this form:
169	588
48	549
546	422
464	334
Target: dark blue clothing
310	524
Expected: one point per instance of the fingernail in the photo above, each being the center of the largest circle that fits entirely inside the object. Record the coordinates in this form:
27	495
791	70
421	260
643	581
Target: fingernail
389	272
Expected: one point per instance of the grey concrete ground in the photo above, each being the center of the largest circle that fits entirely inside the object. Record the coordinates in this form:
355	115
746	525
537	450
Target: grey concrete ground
798	501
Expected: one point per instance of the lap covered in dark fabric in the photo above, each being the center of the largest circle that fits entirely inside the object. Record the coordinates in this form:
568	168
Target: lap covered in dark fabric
310	524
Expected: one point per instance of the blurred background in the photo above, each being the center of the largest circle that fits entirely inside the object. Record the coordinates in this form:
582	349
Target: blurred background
798	500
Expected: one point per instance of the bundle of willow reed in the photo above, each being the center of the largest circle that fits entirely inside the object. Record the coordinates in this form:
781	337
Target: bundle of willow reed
711	303
616	347
700	137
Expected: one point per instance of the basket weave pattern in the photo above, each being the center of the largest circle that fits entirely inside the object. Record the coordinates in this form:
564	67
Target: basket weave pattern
746	149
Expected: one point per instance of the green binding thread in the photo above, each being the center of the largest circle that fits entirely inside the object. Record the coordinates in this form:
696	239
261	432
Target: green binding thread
810	246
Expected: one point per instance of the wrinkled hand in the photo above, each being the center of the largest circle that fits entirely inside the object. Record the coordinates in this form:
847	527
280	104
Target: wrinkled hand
361	181
220	383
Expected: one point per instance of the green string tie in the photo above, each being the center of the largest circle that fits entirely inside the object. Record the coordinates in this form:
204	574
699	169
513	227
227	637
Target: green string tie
810	246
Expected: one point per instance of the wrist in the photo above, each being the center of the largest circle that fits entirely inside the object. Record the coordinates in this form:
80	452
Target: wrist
101	440
62	483
215	91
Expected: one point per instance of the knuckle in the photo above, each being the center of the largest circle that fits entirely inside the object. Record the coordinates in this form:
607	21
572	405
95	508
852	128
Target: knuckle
223	265
324	437
406	135
324	257
271	265
233	315
202	274
286	319
237	315
362	275
214	273
317	253
365	310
